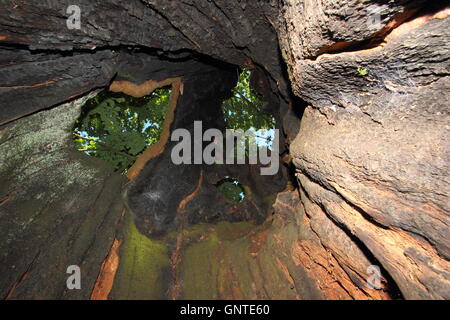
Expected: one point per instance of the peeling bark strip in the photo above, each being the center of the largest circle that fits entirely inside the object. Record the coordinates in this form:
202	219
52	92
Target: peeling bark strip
22	279
176	285
192	195
375	40
416	23
105	280
29	86
141	90
7	198
400	24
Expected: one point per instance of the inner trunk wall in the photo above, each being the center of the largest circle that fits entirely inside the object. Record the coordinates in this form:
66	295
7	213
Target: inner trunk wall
370	152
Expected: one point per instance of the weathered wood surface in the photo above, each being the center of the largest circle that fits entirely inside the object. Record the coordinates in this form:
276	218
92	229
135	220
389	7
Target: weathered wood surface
58	207
370	150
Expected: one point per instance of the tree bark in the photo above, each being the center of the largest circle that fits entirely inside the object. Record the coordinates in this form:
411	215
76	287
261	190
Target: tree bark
362	101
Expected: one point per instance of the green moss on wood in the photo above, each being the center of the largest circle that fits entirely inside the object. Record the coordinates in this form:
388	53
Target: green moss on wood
143	268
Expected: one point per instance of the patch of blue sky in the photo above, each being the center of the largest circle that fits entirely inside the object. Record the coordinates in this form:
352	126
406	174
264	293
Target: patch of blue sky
148	123
264	137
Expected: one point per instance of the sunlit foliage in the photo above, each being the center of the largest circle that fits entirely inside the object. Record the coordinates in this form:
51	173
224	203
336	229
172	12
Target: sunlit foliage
244	111
231	189
117	128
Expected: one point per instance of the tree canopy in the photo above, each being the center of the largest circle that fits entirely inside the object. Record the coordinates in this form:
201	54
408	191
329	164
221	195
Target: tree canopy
244	111
117	127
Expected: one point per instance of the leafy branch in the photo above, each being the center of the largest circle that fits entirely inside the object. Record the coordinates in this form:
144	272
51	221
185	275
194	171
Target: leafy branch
104	146
116	127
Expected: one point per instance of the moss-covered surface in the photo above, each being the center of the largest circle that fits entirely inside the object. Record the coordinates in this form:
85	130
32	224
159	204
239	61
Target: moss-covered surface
216	261
144	266
223	265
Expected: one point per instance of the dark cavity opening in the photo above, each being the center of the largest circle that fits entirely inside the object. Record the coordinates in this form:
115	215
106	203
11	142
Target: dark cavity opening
117	128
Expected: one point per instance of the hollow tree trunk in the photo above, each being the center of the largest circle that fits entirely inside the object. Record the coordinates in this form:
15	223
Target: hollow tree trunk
365	134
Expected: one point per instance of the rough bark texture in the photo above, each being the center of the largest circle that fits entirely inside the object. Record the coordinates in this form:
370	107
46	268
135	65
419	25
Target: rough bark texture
58	207
372	151
366	135
162	201
239	33
33	81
